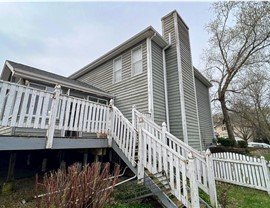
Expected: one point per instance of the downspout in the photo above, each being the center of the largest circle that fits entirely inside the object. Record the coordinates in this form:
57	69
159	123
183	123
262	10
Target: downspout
150	76
165	87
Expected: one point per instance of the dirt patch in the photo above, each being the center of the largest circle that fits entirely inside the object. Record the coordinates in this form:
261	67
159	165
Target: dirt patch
24	190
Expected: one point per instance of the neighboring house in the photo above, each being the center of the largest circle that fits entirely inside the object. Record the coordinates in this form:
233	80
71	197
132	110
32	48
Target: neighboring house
155	73
240	133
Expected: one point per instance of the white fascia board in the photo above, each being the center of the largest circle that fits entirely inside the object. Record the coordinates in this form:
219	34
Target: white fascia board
9	67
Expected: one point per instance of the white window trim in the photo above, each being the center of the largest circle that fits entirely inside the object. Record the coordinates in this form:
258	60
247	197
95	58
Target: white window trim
134	49
116	59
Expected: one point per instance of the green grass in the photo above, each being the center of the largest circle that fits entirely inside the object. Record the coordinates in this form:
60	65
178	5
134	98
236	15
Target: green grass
239	197
267	156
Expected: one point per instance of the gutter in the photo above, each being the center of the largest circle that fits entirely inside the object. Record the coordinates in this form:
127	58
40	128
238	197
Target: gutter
150	76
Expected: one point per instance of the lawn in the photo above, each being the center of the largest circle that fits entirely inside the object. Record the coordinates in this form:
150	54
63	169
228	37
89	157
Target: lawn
231	196
267	156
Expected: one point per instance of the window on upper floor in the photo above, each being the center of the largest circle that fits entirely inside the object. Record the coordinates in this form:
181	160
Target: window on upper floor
117	70
136	61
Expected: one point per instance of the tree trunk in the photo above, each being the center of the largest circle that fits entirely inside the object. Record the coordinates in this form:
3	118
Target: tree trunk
227	119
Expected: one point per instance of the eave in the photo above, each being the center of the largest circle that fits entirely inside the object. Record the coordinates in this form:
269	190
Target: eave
148	32
202	78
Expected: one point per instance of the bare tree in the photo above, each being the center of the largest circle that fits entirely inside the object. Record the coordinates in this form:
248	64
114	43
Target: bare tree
253	104
239	41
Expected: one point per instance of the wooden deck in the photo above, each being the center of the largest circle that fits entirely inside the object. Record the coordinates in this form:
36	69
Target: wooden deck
36	143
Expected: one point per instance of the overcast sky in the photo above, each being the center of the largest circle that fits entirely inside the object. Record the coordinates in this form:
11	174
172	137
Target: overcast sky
64	37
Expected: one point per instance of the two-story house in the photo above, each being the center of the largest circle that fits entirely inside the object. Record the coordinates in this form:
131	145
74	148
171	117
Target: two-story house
155	73
45	111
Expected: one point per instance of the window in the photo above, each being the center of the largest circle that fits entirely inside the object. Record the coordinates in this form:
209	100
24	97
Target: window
136	61
117	70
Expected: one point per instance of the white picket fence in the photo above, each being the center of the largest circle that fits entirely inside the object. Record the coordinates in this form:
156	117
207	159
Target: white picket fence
242	170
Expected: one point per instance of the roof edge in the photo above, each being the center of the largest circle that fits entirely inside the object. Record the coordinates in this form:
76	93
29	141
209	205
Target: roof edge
202	78
147	32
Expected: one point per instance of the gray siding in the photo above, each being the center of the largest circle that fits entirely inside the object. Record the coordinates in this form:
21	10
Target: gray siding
130	90
172	79
205	118
33	132
5	130
158	85
188	86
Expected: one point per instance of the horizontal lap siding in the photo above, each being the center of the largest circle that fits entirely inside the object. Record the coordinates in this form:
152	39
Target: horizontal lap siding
172	80
5	130
34	132
130	90
158	85
188	86
204	108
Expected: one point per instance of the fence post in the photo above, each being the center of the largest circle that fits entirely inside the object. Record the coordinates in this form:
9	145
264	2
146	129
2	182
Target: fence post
266	174
194	190
163	134
211	178
52	118
110	122
141	156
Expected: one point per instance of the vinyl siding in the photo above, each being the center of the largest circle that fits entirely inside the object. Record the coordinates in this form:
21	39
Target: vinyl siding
130	90
34	132
158	85
5	130
172	80
205	118
188	86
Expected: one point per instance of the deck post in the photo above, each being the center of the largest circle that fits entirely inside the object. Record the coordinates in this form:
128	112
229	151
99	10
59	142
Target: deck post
140	174
8	185
164	130
110	122
194	190
266	174
134	122
211	178
52	118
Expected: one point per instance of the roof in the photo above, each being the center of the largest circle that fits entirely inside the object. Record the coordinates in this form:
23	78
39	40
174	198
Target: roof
202	78
45	76
148	32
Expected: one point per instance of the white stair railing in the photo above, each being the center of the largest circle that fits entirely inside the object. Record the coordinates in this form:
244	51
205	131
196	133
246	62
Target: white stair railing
203	164
123	133
156	157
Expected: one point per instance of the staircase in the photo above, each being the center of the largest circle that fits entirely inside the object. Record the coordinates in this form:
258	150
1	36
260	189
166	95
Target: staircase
152	153
170	168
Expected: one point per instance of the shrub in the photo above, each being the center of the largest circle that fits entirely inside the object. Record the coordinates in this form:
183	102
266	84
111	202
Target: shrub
242	144
77	187
226	142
